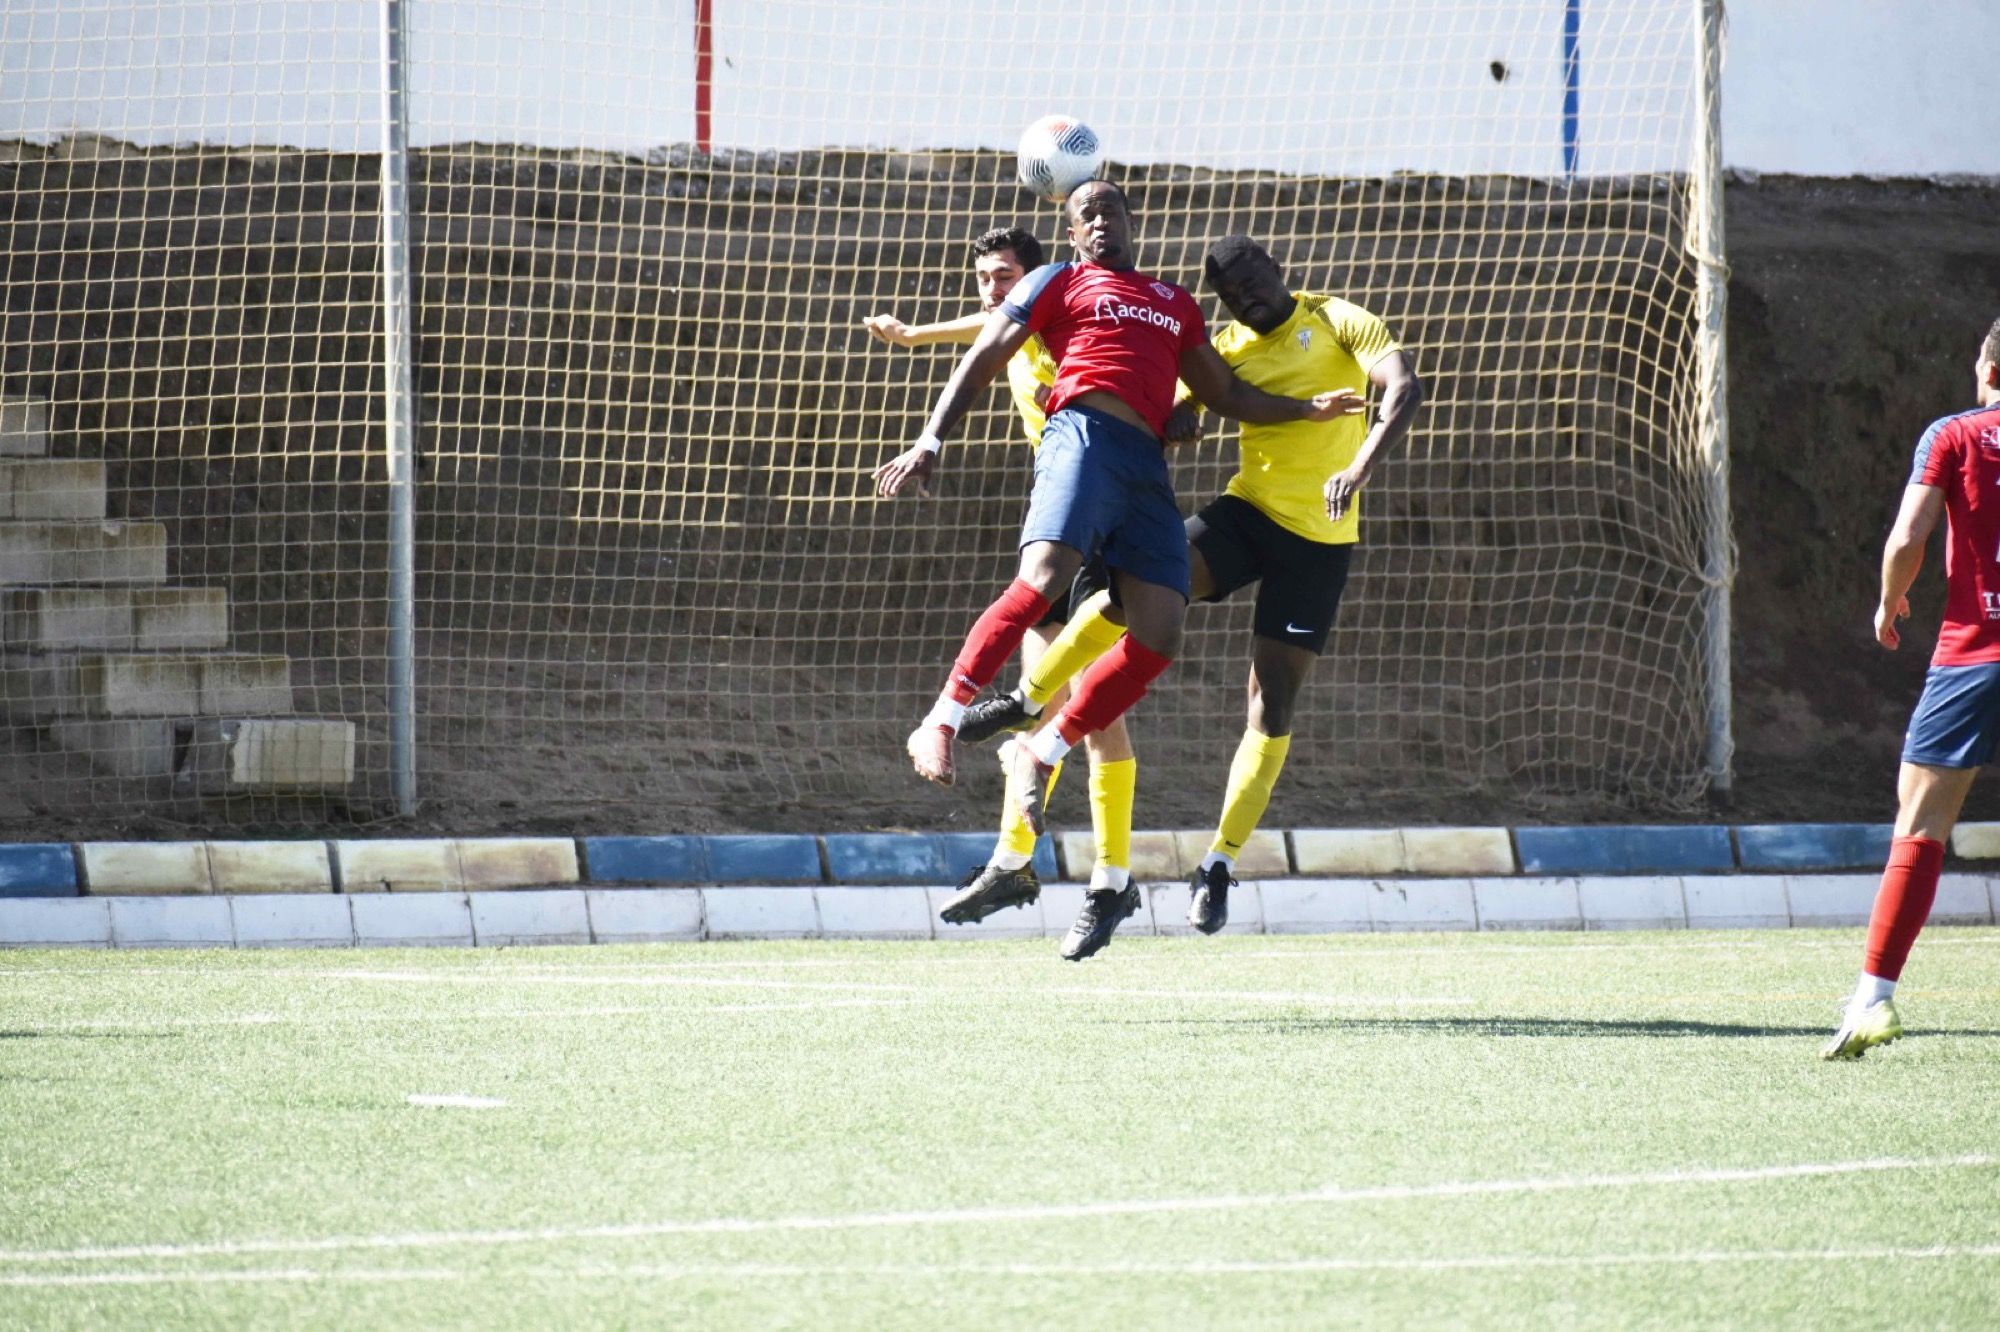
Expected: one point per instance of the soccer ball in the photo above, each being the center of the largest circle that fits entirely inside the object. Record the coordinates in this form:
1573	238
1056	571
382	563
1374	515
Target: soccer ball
1057	154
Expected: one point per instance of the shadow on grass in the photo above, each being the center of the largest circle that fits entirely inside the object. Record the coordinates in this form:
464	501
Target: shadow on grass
1658	1028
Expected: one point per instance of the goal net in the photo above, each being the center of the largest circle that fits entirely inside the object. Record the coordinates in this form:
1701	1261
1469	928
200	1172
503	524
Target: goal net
652	585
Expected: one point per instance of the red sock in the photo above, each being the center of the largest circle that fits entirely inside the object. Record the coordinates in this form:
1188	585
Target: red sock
993	639
1902	904
1114	682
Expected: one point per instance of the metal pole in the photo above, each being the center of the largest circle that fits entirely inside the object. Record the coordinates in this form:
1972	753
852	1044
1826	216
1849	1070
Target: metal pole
399	411
1712	388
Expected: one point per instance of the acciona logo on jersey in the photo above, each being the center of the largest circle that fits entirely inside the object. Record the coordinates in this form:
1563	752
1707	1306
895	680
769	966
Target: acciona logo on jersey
1111	310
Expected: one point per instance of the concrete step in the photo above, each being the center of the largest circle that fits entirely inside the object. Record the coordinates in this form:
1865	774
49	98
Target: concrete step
24	427
40	552
52	488
101	685
219	755
114	619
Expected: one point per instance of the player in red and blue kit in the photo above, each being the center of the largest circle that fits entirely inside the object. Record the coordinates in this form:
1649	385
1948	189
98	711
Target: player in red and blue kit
1956	726
1120	340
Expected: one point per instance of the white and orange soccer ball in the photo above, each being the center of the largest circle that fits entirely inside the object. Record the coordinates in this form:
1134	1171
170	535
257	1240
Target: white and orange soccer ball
1057	154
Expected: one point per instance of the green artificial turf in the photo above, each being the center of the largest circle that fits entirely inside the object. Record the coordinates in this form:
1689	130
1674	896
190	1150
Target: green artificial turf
1492	1131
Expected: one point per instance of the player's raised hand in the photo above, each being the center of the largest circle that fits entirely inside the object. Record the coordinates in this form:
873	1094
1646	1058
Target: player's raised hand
1341	488
912	468
888	329
1885	623
1338	403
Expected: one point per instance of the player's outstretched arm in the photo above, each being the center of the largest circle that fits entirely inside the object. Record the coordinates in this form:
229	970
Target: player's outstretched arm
1402	393
913	468
1215	384
887	328
1903	556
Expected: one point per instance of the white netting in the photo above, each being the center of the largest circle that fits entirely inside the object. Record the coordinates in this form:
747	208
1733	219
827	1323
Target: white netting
650	574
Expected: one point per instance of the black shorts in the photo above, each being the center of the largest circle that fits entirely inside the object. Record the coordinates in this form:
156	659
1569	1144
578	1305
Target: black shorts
1091	579
1301	580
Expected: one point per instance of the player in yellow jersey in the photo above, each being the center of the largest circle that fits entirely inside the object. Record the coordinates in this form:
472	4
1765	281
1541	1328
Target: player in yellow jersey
1288	520
1000	258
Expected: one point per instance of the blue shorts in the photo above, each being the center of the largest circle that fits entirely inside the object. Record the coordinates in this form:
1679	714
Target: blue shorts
1957	720
1102	487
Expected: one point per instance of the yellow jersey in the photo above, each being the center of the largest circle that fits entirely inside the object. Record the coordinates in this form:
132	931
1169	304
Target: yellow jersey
1327	344
1028	370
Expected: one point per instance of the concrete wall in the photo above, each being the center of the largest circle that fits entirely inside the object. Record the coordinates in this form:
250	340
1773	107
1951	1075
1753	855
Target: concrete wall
1830	87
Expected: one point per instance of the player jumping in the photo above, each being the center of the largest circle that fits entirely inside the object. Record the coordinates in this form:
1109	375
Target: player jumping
1287	520
1956	725
1101	484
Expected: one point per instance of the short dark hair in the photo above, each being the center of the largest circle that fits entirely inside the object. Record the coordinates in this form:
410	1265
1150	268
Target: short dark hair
1233	250
1989	350
1124	200
1018	239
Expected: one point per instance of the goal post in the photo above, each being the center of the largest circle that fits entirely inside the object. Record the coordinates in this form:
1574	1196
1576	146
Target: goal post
646	577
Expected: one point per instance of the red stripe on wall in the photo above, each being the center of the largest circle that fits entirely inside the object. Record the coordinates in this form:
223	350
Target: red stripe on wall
704	74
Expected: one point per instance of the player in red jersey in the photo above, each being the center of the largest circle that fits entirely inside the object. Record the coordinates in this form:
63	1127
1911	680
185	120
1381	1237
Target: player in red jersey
1956	726
1120	339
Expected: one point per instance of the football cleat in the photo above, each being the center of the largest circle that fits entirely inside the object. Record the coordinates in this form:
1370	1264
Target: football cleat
1208	906
930	751
996	715
1862	1031
1104	909
988	889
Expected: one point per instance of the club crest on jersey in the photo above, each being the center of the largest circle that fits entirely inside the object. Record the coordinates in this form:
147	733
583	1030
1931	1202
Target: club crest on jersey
1163	291
1305	339
1989	442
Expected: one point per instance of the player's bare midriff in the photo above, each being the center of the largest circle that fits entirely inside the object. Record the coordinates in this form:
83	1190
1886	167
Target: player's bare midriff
1113	405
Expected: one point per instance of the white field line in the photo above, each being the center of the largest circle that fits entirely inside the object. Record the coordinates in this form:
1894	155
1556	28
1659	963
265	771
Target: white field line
992	1215
459	1015
453	1101
1251	1267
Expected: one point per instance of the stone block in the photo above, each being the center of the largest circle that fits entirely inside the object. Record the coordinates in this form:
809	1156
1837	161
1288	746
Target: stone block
182	619
760	913
1356	852
1735	901
548	916
245	683
122	869
42	551
1422	904
52	488
398	865
1639	903
53	619
1316	906
37	688
1457	851
1167	906
1528	904
293	920
964	852
1025	922
516	862
270	867
763	859
37	869
222	755
1060	903
1812	846
1830	899
24	426
118	685
873	913
131	747
1156	856
56	922
884	858
1976	841
171	922
1962	900
420	920
1615	849
645	860
643	915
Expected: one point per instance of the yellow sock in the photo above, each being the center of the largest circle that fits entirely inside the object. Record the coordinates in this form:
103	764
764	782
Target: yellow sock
1016	837
1111	788
1088	636
1259	760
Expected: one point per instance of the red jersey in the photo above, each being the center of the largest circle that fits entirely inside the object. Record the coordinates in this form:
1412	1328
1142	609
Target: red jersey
1961	456
1110	332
